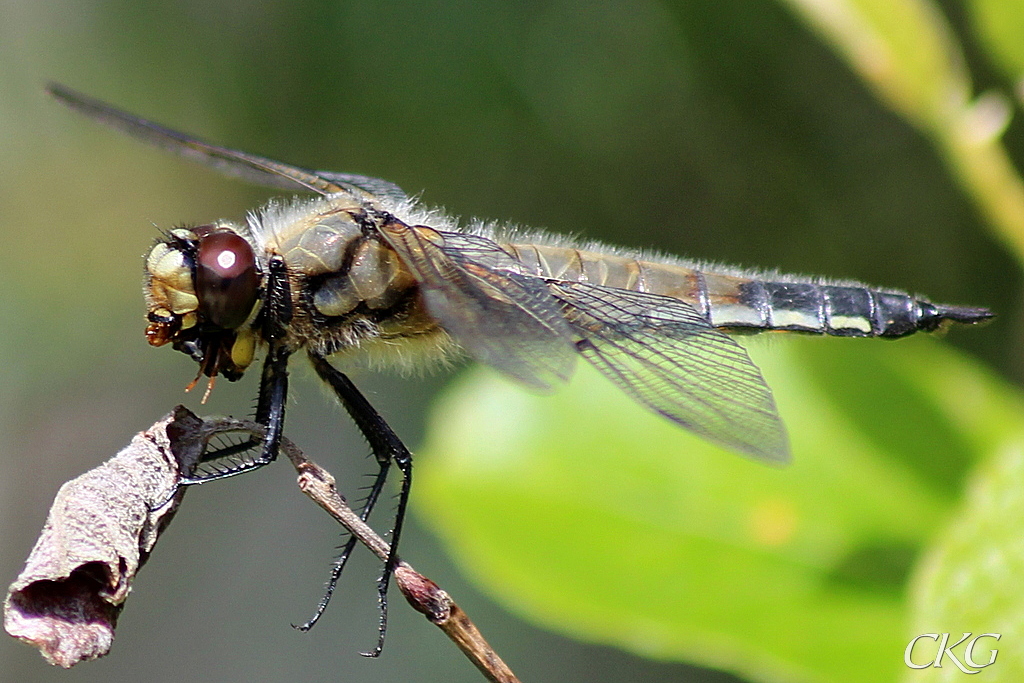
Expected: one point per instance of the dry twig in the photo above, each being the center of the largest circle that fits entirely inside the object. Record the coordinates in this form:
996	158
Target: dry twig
104	524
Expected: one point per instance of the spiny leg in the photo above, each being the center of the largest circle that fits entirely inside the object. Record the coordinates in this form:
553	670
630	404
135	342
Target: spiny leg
273	320
387	448
346	550
269	413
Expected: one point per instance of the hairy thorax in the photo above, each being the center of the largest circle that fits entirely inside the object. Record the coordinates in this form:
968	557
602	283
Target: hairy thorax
351	294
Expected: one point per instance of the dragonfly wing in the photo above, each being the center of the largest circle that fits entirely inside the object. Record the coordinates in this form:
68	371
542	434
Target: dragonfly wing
481	297
667	356
375	186
231	162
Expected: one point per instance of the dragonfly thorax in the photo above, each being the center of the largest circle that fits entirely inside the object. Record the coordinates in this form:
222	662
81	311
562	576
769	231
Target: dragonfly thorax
349	289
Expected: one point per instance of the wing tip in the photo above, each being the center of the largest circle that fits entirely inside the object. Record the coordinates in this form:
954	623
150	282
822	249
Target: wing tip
56	89
776	457
67	96
773	451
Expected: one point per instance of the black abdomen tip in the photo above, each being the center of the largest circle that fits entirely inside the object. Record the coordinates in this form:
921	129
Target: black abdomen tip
934	315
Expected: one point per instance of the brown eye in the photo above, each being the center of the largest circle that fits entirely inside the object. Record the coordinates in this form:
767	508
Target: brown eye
226	278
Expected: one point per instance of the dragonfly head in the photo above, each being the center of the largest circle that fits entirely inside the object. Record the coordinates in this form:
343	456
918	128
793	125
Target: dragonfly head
202	288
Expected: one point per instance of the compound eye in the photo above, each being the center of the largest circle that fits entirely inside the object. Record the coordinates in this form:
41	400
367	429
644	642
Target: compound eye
226	279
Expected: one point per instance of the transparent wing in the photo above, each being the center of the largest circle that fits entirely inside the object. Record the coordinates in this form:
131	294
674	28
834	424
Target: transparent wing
249	167
479	295
665	355
375	186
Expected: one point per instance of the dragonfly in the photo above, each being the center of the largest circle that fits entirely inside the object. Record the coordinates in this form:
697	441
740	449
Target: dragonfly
362	271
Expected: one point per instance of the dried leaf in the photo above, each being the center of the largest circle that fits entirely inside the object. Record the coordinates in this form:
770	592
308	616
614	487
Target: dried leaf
100	531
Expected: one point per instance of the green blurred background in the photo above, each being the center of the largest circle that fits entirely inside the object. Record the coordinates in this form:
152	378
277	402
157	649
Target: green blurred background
719	129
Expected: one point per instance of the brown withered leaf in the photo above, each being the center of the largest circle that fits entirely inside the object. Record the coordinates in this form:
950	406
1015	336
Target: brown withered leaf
100	531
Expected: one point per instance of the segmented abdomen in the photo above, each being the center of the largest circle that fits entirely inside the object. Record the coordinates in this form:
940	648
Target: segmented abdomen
738	303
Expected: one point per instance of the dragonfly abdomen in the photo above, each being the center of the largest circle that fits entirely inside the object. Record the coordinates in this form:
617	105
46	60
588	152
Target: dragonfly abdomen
742	303
837	310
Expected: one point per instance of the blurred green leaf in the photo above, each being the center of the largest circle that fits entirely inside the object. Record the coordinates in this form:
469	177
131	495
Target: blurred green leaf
906	51
970	579
1000	26
589	515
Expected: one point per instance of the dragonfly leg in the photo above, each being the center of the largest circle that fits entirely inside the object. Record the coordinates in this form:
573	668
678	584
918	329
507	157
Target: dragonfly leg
387	448
273	383
269	413
346	550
